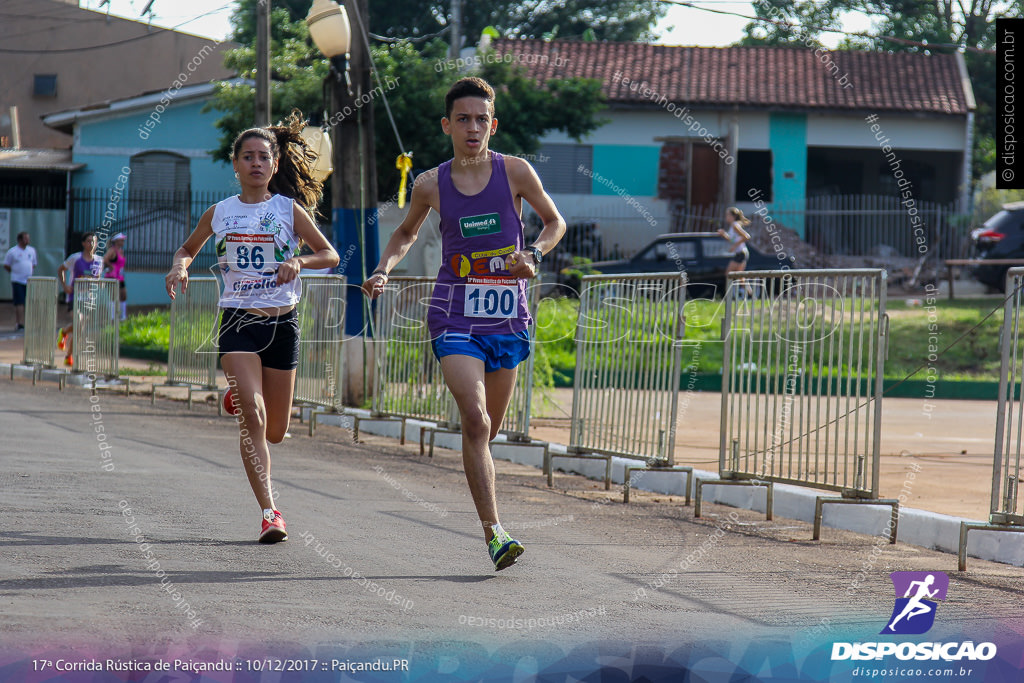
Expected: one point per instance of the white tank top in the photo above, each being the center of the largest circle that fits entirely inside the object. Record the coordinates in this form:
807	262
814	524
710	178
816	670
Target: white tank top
252	240
736	243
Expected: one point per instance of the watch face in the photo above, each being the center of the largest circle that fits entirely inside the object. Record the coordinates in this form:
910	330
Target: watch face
538	255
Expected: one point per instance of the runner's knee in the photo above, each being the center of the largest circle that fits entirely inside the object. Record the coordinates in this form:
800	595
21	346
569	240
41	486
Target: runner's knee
477	423
495	428
276	433
252	415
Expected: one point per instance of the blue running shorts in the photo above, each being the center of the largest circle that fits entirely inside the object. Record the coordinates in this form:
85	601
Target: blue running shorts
495	350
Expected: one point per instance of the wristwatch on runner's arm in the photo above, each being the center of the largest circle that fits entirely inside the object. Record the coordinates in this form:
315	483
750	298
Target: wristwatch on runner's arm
538	255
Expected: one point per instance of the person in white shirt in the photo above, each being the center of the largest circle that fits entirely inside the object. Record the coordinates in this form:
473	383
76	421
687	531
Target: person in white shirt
20	262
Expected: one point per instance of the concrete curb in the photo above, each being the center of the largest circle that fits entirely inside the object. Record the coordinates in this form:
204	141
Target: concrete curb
56	376
917	527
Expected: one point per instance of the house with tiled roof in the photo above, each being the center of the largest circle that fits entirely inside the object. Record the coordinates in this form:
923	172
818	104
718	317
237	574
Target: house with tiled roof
143	166
56	56
693	127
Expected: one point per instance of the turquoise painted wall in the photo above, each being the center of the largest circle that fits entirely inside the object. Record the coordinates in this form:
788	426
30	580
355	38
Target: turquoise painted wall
147	289
632	169
787	137
182	126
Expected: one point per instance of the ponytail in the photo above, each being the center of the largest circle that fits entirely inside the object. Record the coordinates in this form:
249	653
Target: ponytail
738	215
294	177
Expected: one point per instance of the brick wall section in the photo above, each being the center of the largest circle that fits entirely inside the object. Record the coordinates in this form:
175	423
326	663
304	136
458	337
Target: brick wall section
672	171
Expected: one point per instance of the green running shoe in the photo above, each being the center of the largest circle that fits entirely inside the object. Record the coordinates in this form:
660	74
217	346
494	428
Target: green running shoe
504	549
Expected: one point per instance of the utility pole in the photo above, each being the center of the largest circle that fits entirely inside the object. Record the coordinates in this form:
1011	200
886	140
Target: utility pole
455	44
262	117
354	188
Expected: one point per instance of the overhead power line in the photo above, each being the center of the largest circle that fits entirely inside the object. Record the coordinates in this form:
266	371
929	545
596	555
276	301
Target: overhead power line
152	32
417	39
822	29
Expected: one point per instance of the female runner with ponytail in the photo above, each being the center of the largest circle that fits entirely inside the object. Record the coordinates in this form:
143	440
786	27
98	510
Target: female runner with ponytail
257	235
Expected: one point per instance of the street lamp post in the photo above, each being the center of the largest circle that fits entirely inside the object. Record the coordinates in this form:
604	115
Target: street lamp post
262	117
354	185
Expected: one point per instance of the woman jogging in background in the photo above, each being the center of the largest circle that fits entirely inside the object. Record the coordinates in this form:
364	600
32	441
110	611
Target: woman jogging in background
257	235
113	263
737	237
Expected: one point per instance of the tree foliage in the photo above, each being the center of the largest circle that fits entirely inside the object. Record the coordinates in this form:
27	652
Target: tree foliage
791	23
283	14
297	75
615	20
414	80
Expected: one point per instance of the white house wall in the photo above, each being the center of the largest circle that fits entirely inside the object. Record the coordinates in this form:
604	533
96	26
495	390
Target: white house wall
904	132
635	127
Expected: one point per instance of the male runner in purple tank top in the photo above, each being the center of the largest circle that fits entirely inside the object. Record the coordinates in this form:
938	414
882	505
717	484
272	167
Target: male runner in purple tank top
478	313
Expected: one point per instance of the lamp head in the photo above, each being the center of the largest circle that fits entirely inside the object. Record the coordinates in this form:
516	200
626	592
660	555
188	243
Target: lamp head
329	28
320	142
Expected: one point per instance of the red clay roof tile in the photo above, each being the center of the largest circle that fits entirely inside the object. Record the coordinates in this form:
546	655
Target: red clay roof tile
755	77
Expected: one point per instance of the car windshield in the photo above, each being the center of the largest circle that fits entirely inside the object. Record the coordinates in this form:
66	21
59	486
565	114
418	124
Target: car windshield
669	250
714	247
656	252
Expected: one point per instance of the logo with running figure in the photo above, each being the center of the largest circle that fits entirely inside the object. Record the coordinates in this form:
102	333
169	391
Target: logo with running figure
916	596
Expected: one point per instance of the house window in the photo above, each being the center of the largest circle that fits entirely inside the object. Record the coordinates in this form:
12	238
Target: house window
45	85
159	173
160	212
558	166
753	172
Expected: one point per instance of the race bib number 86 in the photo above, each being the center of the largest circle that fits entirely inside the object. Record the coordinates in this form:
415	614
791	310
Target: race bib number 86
251	253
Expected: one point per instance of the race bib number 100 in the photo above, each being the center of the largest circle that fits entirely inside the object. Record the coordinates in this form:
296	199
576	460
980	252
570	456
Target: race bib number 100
251	253
492	300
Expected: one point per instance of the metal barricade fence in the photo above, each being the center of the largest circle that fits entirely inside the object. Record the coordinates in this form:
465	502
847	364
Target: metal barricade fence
407	377
97	331
516	423
40	321
803	359
1006	513
192	347
629	335
321	311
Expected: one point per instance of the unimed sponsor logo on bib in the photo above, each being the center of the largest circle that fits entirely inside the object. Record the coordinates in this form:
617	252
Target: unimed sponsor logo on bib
475	226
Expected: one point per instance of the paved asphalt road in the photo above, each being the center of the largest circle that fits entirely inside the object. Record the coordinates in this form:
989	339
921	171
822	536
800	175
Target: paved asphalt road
384	559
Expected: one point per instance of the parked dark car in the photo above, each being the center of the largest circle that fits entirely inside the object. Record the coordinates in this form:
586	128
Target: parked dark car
1000	237
703	255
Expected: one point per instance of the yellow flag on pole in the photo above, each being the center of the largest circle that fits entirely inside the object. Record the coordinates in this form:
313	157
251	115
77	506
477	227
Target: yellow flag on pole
404	164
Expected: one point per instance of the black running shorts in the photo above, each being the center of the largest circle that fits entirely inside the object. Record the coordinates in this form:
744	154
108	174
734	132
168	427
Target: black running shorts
274	338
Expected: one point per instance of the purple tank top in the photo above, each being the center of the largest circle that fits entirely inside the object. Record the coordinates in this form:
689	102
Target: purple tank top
474	291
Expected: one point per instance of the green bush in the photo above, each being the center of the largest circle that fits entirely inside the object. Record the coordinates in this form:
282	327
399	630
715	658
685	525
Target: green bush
149	331
975	357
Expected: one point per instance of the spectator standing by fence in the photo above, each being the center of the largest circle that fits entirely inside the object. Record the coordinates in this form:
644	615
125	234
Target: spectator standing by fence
85	263
113	265
737	237
20	261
